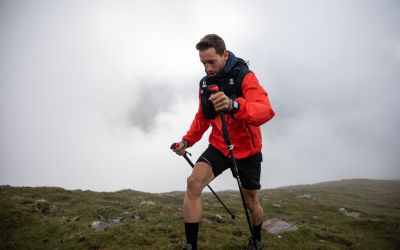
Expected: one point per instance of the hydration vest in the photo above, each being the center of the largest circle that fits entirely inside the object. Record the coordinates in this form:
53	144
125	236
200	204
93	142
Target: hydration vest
229	80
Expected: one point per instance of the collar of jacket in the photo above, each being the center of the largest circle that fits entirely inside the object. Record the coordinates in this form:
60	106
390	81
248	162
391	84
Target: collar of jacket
225	71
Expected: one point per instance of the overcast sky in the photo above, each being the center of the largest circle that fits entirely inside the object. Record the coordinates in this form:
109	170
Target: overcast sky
93	93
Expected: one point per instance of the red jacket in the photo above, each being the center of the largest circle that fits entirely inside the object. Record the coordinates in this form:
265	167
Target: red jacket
244	129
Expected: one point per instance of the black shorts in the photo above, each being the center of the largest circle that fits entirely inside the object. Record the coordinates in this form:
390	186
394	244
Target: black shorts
249	168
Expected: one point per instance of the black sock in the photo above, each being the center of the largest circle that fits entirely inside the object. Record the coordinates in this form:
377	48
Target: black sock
257	232
191	230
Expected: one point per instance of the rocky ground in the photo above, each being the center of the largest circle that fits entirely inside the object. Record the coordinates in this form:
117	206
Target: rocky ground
350	214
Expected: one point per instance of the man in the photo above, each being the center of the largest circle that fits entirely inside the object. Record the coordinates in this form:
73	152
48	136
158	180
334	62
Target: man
247	106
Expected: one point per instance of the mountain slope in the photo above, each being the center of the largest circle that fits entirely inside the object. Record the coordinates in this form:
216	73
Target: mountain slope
54	218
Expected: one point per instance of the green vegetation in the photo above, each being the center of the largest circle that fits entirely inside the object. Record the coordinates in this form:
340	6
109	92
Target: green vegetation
63	220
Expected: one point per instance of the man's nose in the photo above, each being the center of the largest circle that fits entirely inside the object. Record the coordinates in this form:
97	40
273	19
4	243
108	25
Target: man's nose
208	68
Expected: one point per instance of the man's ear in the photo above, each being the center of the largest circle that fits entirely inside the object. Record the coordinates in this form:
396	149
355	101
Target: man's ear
225	55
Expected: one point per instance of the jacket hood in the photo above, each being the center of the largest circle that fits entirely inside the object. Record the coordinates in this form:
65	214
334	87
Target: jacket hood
232	60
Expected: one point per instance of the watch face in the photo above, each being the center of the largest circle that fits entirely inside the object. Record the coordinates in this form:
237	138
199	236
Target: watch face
235	104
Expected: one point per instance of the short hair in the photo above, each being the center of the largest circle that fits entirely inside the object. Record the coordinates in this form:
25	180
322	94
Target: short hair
211	41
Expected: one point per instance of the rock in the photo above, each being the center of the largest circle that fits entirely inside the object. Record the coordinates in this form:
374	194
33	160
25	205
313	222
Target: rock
148	203
98	226
76	218
218	218
171	194
277	226
304	196
348	213
152	203
5	187
205	220
44	207
17	197
116	221
137	217
276	205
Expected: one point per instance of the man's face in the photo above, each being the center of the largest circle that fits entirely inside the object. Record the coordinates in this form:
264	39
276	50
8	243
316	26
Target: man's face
212	61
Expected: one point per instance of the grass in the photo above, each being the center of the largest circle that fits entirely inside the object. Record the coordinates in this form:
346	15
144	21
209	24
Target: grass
160	226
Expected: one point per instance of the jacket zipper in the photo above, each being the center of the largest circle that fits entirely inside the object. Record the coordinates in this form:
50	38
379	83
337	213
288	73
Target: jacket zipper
251	135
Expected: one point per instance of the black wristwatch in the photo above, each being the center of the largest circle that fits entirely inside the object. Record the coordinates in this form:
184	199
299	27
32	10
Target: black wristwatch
235	107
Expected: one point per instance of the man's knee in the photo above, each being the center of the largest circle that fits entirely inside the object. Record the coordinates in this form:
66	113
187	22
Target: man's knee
250	204
200	177
194	186
251	199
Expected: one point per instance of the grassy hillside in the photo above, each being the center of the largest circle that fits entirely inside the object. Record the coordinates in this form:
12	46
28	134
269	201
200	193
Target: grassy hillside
54	218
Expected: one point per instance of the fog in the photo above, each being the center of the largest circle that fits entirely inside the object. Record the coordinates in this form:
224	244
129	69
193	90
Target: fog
93	93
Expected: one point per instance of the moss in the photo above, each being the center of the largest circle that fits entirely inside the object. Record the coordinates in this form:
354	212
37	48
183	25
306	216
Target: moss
160	226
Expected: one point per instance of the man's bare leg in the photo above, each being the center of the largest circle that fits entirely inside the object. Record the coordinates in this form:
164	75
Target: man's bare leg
201	176
255	209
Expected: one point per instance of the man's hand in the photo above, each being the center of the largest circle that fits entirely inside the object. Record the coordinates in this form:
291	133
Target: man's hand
221	102
181	149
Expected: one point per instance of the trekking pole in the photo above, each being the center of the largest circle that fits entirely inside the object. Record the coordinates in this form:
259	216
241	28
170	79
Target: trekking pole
214	89
175	145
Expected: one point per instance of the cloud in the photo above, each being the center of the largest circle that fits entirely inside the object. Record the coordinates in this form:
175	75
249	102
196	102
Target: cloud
333	85
96	87
153	98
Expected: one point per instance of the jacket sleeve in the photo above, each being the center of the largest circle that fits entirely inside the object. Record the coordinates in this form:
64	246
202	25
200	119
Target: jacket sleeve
254	106
199	125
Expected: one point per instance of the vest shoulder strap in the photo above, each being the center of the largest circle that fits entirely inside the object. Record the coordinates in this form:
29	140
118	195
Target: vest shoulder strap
242	72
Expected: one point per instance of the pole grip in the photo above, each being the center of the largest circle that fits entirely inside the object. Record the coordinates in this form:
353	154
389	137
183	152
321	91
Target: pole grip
174	145
213	89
